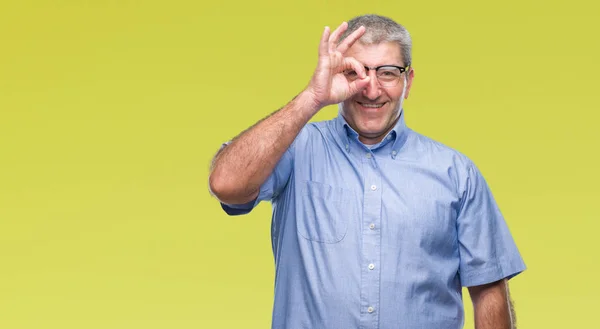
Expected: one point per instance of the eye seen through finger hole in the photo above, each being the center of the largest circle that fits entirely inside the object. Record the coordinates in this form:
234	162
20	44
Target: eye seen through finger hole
387	75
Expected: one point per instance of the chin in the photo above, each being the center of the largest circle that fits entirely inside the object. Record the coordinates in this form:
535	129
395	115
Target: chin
371	130
371	125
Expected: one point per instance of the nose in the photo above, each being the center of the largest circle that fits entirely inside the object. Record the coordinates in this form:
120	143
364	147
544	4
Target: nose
372	91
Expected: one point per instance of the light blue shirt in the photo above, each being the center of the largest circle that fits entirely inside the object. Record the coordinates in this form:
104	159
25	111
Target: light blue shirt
379	238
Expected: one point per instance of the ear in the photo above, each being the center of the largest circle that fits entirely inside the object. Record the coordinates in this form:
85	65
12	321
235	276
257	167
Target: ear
411	76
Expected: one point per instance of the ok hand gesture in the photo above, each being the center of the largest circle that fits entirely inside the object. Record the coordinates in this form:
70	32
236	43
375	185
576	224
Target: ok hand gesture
328	84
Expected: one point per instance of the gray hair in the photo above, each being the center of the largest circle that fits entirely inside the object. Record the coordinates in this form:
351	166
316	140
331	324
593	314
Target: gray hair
382	29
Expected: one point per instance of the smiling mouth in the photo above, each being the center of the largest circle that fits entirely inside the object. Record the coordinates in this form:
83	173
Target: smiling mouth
371	105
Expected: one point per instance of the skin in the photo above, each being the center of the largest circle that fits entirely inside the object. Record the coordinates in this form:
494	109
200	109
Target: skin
492	306
238	170
373	124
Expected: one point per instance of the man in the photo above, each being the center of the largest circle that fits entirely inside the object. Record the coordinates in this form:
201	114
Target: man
374	225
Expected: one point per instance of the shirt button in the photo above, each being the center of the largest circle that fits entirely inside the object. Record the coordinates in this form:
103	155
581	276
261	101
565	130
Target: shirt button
371	266
373	187
370	309
368	155
394	152
372	226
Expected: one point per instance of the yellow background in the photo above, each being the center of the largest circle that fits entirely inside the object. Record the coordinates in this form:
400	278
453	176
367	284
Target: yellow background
110	112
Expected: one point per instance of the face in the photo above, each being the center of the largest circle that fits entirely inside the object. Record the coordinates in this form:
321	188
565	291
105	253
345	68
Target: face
374	111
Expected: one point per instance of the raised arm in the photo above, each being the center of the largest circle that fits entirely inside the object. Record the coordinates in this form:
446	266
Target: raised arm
238	170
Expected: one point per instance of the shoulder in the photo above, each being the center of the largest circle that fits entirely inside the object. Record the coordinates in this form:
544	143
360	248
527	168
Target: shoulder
425	147
439	160
321	127
316	131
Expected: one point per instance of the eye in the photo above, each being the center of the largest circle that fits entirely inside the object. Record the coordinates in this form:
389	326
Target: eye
350	74
388	73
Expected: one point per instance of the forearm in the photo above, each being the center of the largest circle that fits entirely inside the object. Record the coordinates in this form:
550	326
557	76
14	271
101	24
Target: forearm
493	308
239	169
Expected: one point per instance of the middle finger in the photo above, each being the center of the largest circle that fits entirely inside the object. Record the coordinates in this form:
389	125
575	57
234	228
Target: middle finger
351	39
335	35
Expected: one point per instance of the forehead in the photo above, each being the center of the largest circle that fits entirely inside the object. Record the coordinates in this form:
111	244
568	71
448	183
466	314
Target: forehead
376	54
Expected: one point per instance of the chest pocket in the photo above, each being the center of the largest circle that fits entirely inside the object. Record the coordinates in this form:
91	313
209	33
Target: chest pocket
323	212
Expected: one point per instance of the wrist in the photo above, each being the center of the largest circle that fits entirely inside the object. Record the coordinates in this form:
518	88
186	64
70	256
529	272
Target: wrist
308	102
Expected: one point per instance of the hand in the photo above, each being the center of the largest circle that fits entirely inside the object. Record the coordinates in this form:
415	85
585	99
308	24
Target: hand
328	84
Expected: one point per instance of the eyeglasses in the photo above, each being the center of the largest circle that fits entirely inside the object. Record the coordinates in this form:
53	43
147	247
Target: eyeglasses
387	75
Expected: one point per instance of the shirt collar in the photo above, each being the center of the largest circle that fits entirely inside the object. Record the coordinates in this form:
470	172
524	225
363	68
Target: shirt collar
397	135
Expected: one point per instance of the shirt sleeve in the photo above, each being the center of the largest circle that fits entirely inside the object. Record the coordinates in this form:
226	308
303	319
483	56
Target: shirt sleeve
487	250
270	189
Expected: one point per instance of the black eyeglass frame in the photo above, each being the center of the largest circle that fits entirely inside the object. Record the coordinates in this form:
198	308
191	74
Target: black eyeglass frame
402	69
375	68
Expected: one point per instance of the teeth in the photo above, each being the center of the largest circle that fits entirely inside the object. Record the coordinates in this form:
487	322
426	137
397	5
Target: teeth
371	105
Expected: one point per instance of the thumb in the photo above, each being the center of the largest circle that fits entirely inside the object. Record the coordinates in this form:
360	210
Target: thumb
358	85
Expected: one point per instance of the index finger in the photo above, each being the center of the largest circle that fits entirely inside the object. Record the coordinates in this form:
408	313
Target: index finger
333	38
351	39
323	44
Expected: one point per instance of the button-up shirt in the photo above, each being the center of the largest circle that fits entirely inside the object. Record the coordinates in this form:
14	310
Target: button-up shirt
381	236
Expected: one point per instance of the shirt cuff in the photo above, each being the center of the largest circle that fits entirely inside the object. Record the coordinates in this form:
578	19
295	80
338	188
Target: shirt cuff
479	277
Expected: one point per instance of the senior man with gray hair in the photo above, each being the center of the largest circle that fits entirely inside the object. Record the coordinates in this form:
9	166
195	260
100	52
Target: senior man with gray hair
374	225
